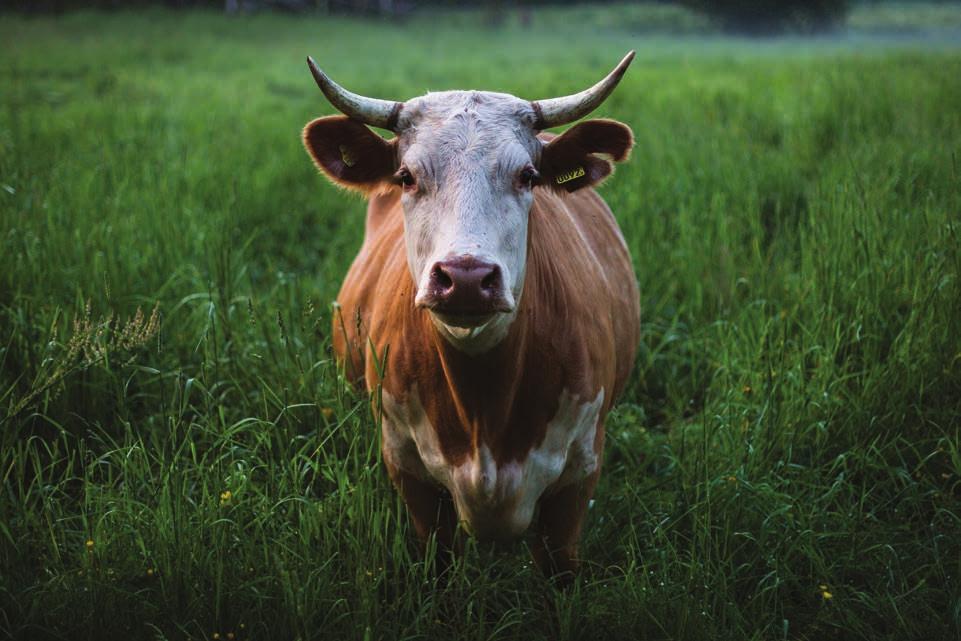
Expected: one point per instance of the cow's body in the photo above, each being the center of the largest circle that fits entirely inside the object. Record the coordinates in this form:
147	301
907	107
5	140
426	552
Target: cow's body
493	302
524	419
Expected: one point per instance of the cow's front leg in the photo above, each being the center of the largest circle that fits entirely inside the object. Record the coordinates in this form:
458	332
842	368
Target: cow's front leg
559	529
431	509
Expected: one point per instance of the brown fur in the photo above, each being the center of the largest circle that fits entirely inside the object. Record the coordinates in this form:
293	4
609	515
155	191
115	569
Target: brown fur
577	329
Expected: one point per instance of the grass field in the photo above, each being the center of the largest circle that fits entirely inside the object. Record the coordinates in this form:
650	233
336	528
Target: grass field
786	462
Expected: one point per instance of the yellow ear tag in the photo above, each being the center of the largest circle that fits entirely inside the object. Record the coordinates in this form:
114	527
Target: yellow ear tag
569	176
347	157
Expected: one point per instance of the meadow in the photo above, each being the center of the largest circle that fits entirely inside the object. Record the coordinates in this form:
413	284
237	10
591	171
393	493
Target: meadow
179	458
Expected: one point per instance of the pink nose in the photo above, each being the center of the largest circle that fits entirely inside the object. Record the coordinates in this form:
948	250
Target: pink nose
465	286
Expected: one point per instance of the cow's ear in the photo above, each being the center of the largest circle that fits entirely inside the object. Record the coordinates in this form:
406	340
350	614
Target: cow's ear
349	153
574	159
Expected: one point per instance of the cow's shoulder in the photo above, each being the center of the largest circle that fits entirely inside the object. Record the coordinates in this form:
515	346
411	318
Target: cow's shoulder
577	245
581	285
379	265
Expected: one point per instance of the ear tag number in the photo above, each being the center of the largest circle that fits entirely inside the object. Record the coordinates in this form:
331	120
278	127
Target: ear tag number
569	176
347	157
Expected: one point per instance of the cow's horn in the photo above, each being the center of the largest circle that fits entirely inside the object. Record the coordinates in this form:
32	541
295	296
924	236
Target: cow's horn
370	111
554	112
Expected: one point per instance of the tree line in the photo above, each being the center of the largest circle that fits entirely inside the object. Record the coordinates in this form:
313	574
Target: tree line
744	16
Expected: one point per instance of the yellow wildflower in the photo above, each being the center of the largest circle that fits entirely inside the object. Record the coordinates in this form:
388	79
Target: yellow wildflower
225	497
89	545
825	593
327	412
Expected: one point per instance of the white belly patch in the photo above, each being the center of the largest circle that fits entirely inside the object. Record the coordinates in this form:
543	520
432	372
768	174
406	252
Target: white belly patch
495	501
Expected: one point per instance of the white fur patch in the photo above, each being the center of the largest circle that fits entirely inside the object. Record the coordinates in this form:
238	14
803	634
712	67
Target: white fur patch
496	501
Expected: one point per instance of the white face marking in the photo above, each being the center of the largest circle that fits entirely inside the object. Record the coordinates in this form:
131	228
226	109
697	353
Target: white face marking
466	150
496	501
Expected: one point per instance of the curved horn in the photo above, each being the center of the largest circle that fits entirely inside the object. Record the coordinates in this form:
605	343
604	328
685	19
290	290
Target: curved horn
554	112
370	111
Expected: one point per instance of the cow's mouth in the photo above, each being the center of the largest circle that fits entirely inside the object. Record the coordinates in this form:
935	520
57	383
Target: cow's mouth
464	314
464	321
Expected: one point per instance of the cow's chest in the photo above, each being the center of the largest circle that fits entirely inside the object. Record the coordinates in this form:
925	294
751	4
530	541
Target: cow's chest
494	499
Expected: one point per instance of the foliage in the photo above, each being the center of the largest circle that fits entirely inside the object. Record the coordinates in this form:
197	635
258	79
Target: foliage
905	17
786	462
773	16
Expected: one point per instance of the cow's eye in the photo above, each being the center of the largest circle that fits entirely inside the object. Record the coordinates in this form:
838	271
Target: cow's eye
405	178
528	176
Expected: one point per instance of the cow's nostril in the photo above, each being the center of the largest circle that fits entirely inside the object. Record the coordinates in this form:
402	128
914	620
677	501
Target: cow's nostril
492	280
441	278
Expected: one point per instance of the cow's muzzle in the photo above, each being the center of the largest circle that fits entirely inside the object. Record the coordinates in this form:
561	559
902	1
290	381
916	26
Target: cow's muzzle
465	291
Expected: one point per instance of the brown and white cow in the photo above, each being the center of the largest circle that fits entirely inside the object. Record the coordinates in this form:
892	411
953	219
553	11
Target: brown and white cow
496	285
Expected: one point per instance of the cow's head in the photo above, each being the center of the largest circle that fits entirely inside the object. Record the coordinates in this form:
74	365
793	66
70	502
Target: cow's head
467	163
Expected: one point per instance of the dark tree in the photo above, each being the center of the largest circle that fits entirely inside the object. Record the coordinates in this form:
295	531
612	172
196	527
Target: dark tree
758	17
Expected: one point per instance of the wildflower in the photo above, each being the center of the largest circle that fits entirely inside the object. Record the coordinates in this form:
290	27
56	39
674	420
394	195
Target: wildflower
215	636
825	593
225	497
230	636
731	479
327	412
89	545
747	390
149	571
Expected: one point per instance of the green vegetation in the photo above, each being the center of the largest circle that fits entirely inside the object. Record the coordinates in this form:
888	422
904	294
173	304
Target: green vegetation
905	16
773	16
786	462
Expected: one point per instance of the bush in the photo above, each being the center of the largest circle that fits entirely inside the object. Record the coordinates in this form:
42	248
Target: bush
773	16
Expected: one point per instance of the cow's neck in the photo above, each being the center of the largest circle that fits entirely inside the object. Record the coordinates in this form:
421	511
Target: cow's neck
483	386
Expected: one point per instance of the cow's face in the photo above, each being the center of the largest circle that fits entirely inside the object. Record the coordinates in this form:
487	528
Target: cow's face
466	165
467	168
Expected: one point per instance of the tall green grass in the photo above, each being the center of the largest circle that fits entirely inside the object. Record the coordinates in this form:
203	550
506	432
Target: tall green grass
786	462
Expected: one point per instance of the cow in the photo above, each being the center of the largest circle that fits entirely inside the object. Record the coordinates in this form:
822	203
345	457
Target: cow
492	308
